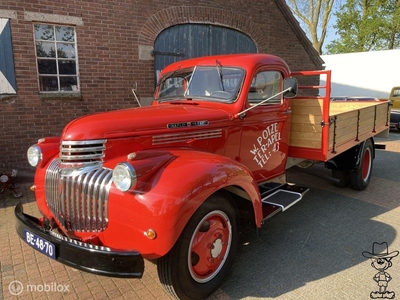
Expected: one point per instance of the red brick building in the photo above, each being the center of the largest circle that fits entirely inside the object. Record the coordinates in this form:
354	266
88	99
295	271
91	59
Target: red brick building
61	60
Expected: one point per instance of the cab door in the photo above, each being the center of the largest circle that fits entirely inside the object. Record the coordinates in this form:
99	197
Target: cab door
265	130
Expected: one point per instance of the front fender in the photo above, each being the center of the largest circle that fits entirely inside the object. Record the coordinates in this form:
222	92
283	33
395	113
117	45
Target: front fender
177	190
49	146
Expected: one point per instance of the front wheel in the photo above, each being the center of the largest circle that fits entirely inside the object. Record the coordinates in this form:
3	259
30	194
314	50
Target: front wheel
360	177
201	258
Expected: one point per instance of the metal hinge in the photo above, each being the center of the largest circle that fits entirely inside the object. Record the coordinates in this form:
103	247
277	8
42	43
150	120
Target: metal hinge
168	53
331	121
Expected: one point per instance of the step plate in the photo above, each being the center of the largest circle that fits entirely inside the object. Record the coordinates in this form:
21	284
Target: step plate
283	198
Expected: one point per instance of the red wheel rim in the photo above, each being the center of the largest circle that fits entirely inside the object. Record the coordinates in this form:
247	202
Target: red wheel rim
209	246
366	164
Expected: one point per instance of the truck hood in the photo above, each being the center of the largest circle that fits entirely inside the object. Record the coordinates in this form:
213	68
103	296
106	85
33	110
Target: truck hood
142	121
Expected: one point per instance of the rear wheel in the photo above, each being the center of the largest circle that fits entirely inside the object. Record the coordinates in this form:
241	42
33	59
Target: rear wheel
201	258
360	177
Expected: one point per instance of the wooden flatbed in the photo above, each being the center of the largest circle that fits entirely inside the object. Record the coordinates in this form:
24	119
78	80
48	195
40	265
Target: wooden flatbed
321	129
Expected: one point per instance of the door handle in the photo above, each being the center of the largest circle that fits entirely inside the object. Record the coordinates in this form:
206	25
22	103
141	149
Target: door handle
287	112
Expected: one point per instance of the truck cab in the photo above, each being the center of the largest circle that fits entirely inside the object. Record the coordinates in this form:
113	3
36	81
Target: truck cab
253	137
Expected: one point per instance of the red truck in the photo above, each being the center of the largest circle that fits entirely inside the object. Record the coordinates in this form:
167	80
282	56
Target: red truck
168	182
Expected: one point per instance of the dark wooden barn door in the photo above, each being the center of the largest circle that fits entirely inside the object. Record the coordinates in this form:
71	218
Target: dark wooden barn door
193	40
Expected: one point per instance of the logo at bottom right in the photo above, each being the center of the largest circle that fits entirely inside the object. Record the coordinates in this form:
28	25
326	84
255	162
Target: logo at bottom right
381	261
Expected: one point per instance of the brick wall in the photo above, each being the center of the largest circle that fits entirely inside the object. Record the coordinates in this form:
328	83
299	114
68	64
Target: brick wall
109	35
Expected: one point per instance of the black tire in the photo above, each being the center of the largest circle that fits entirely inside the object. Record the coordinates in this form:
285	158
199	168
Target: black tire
214	225
360	177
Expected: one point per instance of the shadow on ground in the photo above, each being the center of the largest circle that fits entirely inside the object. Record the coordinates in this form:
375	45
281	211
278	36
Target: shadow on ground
322	235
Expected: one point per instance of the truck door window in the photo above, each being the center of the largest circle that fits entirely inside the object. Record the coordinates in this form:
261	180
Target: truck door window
264	85
396	93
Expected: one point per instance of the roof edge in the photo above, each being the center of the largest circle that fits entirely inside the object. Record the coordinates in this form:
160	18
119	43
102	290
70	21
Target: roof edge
294	24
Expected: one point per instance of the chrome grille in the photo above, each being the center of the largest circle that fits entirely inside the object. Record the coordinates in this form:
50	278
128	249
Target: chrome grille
75	154
79	201
186	136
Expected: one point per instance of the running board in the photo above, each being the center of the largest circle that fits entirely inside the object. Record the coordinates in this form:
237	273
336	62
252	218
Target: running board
281	198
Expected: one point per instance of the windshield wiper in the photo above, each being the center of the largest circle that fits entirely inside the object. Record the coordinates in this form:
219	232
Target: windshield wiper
170	75
219	69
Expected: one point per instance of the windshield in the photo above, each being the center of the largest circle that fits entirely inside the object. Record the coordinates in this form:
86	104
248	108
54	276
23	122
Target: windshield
214	83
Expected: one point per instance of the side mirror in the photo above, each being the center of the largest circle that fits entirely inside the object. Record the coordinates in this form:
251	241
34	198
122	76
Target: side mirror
290	84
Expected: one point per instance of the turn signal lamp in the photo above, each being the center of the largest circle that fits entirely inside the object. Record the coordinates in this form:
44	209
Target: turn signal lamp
151	234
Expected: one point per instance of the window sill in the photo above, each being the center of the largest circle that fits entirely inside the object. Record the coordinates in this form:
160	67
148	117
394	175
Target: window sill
63	96
8	97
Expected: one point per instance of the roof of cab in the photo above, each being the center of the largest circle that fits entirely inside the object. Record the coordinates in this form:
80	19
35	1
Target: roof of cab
247	60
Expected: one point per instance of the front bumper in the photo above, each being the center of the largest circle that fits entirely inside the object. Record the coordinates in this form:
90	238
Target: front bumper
93	259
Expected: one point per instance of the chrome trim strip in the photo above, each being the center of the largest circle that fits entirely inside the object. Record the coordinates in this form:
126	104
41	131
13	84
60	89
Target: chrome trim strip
79	243
83	156
186	136
78	154
89	142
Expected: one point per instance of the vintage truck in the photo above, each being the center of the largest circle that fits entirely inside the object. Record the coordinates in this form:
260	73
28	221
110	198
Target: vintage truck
394	97
168	182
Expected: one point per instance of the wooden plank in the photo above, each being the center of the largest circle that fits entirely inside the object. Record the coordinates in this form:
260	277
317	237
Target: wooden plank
307	110
343	107
307	136
346	128
302	144
310	120
306	120
350	136
382	120
300	128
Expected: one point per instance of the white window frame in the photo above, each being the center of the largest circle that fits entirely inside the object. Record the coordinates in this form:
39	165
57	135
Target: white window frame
74	88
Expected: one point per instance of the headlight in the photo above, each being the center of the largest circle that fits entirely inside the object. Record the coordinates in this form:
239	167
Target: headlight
34	155
124	177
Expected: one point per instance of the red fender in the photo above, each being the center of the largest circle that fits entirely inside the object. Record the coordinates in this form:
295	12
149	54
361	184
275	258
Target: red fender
171	196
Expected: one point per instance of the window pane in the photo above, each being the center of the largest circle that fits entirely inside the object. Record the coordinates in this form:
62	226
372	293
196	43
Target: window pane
45	49
68	84
65	50
265	85
44	32
47	66
67	67
48	83
65	34
57	55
